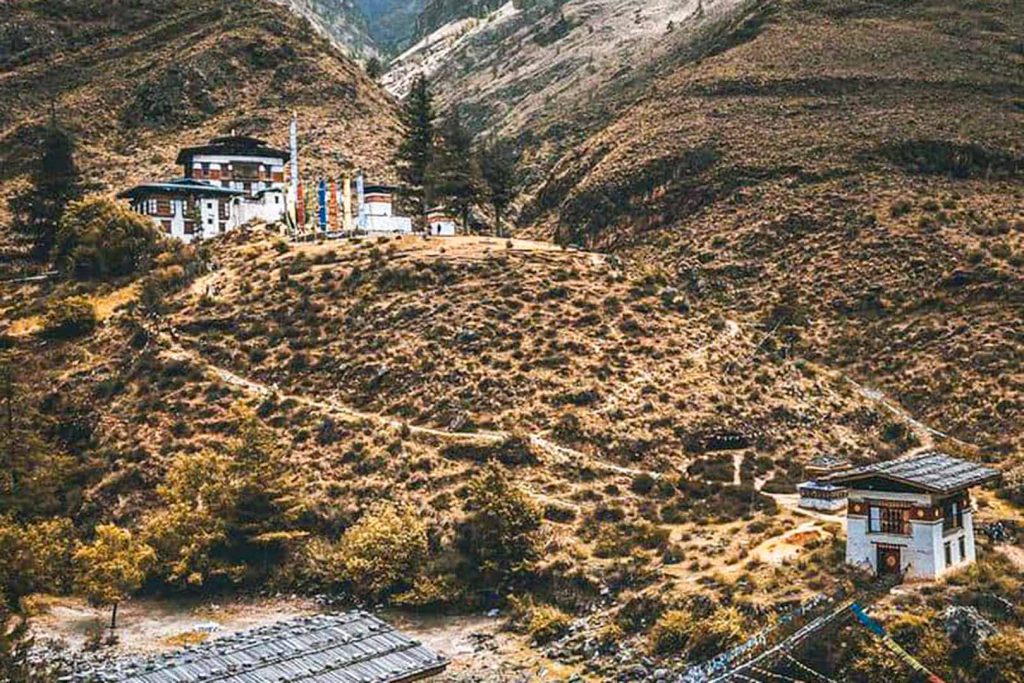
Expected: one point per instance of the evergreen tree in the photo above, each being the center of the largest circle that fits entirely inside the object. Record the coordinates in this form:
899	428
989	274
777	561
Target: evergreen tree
55	182
456	172
374	68
416	152
500	175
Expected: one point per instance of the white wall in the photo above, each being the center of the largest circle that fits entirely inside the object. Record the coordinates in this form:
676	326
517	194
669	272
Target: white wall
923	552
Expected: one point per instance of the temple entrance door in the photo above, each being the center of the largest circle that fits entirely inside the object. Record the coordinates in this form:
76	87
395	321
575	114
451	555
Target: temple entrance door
888	560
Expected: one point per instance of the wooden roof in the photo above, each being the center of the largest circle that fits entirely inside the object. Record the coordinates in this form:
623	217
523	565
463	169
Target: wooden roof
341	648
180	186
931	471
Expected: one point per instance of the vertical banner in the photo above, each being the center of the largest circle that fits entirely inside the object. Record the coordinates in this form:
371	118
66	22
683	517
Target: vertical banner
360	193
333	208
321	196
295	189
346	200
300	205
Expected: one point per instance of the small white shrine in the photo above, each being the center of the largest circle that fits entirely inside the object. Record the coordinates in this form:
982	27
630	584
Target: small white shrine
912	516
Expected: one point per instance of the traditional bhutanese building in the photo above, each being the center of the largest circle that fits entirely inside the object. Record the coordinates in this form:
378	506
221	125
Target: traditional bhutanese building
190	210
818	494
376	210
238	162
441	223
227	183
912	516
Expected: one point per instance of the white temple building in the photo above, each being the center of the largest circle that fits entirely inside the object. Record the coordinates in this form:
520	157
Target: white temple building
912	516
227	183
440	223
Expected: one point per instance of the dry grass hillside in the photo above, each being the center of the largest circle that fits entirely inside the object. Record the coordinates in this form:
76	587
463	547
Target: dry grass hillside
646	431
486	334
133	82
850	176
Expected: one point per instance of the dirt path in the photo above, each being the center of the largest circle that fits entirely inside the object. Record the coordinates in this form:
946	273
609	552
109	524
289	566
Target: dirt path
172	342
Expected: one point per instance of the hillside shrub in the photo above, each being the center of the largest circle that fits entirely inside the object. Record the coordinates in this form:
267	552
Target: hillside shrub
671	633
384	551
68	318
99	239
501	532
546	623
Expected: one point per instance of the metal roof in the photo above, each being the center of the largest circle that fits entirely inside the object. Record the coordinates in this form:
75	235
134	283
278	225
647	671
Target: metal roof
236	146
341	648
933	471
187	186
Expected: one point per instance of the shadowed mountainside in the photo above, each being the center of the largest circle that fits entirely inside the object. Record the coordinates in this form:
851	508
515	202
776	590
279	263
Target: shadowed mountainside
852	172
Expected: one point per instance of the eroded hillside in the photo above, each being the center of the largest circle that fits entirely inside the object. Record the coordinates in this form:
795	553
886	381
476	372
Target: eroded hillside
547	73
850	178
133	83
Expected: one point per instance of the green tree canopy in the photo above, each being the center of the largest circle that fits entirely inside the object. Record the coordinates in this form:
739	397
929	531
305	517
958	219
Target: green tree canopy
416	152
501	531
190	533
500	175
384	551
100	239
455	171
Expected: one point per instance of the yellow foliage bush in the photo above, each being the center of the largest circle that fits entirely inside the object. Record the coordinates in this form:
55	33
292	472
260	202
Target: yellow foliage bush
546	622
384	551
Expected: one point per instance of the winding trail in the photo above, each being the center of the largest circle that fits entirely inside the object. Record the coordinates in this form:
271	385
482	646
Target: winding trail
172	343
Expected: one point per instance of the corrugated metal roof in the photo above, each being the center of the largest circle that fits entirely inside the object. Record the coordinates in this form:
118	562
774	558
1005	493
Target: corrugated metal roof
932	471
343	648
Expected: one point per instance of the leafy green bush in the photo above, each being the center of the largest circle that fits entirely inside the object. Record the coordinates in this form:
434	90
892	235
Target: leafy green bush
500	533
71	317
671	633
99	239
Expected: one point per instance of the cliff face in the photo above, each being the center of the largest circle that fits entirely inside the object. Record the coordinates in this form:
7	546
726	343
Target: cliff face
340	21
437	13
392	23
135	81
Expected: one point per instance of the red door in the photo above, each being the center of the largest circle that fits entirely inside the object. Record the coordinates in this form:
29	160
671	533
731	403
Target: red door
889	560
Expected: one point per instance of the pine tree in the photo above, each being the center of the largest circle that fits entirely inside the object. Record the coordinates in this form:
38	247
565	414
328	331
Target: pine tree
416	152
55	182
456	172
500	175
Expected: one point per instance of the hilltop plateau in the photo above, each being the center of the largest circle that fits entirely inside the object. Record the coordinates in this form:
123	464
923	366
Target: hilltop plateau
135	82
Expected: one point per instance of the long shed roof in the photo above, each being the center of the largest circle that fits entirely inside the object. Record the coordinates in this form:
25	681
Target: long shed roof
343	648
180	186
932	471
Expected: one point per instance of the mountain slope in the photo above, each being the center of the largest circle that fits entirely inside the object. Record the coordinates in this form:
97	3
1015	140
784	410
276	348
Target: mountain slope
550	73
856	167
135	82
340	21
392	23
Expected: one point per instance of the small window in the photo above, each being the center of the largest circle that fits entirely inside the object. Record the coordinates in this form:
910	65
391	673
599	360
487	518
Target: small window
949	553
963	548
